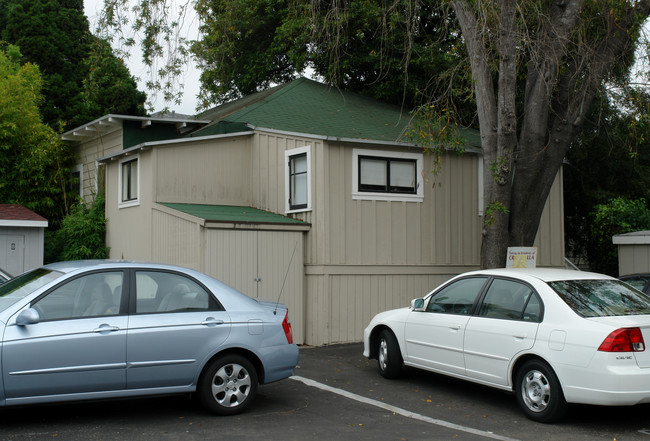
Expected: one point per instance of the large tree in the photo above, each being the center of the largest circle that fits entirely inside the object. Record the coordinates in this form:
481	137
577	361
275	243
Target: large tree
55	35
33	160
568	49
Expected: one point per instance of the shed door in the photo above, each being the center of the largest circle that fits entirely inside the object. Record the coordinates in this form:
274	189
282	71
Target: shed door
12	253
267	265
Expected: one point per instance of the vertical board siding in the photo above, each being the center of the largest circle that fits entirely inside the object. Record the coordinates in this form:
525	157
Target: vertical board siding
258	263
219	172
341	306
177	241
550	236
444	229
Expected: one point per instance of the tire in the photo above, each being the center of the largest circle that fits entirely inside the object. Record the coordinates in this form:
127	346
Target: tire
539	393
228	385
389	357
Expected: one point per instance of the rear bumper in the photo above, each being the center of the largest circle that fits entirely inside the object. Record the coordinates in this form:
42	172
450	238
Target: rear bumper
280	362
609	380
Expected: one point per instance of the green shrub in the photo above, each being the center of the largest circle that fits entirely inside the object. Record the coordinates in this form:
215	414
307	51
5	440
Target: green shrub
82	234
618	216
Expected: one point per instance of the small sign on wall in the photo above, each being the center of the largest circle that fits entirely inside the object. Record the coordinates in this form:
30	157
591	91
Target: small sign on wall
521	257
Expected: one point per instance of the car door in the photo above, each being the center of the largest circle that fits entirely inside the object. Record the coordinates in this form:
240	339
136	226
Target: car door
174	325
78	344
434	336
505	325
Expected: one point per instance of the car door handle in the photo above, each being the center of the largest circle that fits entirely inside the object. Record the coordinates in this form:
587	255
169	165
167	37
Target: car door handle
212	322
454	327
105	329
520	336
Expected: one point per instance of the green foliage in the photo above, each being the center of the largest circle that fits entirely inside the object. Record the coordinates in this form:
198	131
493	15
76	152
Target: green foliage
363	46
54	35
33	160
609	159
618	216
82	78
108	86
491	211
82	234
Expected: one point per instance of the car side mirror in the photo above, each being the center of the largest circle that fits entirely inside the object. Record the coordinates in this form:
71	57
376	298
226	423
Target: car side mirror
28	316
417	304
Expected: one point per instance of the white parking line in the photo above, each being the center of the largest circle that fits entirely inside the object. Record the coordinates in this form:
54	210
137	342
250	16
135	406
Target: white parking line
397	410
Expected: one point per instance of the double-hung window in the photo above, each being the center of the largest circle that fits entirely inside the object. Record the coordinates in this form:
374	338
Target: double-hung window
298	179
380	175
129	181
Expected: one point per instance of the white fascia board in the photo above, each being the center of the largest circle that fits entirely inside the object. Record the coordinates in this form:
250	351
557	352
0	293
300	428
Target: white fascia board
23	223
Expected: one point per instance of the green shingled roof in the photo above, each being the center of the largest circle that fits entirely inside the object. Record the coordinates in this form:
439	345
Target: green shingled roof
306	106
232	214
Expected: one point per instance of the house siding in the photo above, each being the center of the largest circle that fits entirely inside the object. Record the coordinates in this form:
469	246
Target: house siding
219	172
129	231
87	154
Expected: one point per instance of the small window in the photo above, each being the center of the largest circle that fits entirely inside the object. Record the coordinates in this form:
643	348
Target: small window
298	181
76	184
162	292
379	175
457	297
93	295
386	175
129	182
506	299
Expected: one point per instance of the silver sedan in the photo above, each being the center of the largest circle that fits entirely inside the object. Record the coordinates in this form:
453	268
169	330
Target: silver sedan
100	329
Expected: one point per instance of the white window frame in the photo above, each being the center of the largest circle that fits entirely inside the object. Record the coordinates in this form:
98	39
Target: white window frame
288	154
381	196
132	202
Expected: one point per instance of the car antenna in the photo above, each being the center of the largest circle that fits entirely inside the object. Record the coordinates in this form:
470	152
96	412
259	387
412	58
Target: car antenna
275	310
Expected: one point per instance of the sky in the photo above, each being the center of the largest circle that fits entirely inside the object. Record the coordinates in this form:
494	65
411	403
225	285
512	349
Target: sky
190	78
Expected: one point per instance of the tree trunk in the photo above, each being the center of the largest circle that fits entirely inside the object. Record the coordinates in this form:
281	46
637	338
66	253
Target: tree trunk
562	81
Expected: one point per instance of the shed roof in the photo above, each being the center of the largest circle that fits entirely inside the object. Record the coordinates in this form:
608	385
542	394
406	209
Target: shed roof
233	214
14	215
307	106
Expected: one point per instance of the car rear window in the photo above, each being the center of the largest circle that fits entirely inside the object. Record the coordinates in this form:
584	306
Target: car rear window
602	298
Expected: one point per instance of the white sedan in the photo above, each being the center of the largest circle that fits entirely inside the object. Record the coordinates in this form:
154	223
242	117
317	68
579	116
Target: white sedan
551	336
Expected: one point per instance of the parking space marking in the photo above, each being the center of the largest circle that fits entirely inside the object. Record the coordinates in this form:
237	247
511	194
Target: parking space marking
399	411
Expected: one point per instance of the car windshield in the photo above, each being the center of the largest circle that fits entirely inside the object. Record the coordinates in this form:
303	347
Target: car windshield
25	284
602	298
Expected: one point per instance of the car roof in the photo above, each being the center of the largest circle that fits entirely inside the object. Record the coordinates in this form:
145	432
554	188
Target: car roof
75	265
544	274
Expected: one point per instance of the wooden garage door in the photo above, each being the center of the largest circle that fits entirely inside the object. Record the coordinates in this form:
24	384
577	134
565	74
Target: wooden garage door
267	265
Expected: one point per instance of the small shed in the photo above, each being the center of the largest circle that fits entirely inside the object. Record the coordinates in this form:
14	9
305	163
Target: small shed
633	252
22	239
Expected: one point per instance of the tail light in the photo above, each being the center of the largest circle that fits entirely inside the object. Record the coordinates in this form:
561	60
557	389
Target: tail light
624	340
287	328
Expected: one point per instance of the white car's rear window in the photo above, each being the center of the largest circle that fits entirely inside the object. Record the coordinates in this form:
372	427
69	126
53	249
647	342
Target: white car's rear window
602	298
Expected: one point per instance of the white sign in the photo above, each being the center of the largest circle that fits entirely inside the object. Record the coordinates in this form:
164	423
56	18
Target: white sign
521	257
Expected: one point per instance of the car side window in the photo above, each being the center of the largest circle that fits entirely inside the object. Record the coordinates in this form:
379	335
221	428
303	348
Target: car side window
158	291
457	297
510	300
92	295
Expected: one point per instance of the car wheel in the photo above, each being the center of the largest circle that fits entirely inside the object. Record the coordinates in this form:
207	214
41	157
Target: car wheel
228	385
388	355
539	393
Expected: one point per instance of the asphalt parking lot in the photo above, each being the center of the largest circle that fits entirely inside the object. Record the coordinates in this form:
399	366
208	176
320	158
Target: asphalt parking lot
335	394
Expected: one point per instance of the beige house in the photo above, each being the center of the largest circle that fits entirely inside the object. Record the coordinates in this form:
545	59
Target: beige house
301	194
